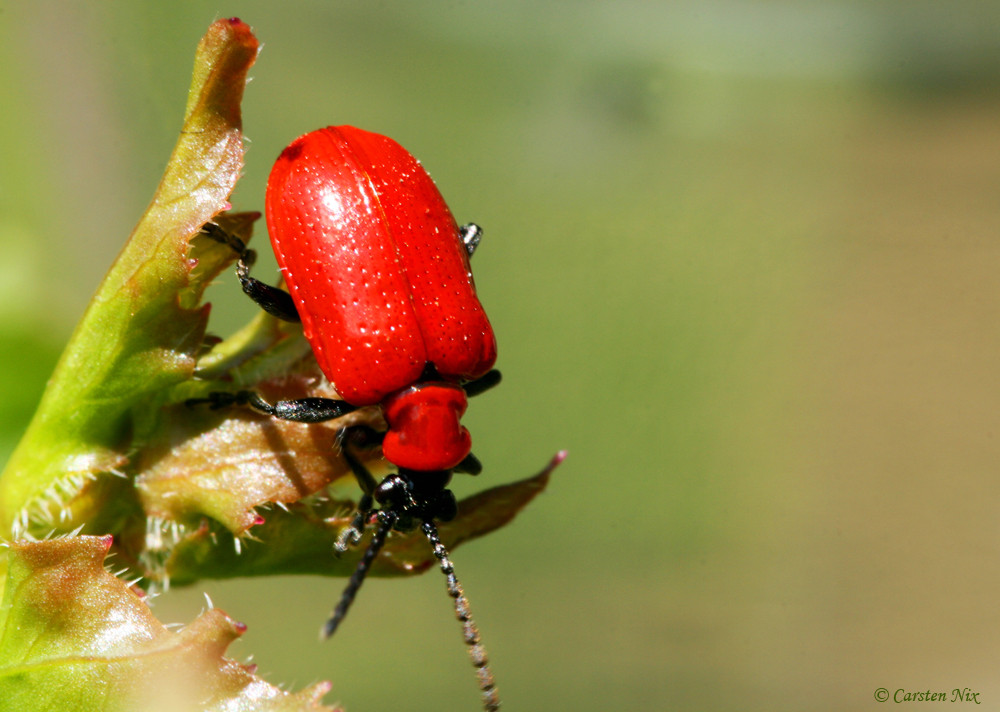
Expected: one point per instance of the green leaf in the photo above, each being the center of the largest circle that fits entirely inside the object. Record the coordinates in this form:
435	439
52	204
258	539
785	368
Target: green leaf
74	638
143	329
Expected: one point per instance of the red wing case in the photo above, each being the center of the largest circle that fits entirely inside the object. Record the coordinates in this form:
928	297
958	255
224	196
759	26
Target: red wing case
374	262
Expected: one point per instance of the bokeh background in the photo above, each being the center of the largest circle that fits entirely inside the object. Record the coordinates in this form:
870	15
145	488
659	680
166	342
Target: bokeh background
742	259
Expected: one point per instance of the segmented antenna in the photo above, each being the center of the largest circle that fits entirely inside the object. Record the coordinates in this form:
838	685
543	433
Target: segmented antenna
477	653
386	520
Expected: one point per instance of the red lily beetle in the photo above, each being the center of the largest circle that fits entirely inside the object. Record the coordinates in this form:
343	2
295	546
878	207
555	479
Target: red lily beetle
378	273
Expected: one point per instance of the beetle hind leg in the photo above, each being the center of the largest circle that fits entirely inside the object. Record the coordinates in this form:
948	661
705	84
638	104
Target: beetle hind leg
469	466
482	384
471	234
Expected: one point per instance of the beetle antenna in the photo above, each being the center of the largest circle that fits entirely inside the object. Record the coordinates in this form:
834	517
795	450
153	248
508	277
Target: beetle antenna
386	520
477	653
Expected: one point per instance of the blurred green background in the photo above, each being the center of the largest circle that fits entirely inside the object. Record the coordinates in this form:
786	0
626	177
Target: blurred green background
741	259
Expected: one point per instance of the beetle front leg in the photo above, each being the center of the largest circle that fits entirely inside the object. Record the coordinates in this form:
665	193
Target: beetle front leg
386	521
352	533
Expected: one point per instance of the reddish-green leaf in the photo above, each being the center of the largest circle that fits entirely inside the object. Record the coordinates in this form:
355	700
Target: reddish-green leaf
300	540
74	638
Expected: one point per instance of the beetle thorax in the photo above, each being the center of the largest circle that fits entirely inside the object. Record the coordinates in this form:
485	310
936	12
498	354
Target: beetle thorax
425	432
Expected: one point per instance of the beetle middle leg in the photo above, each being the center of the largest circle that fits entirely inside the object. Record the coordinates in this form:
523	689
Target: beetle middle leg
300	410
275	301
